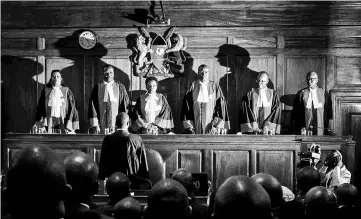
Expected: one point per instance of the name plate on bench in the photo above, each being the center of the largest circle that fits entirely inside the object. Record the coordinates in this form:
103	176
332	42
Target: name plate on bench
200	181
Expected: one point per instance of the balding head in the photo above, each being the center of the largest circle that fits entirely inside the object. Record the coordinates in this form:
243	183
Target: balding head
118	187
82	174
320	203
168	197
307	178
346	194
37	184
128	208
241	195
272	186
122	120
185	178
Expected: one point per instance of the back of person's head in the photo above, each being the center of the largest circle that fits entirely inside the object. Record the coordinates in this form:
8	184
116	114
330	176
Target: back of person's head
128	208
243	196
184	177
168	198
346	194
122	120
37	184
272	186
82	175
118	187
307	178
320	203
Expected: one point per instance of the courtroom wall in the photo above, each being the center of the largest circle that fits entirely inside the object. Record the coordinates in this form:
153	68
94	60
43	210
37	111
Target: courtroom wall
286	39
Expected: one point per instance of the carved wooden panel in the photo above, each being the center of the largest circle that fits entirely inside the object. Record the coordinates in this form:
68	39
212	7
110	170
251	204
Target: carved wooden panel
18	43
348	71
256	42
171	164
346	111
347	42
191	160
279	164
19	92
296	69
306	42
228	163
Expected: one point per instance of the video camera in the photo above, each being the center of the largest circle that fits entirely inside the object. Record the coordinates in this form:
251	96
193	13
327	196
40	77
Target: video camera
310	157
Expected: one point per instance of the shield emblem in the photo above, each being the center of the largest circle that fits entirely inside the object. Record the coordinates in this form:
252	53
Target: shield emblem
158	55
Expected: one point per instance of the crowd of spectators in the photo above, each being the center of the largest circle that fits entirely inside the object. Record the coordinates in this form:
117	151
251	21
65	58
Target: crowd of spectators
41	185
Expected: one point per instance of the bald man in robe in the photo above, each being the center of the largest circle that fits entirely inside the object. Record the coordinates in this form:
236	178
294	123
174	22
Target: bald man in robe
108	99
261	107
311	107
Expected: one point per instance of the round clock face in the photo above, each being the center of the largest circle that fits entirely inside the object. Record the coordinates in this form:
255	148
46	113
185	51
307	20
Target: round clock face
87	40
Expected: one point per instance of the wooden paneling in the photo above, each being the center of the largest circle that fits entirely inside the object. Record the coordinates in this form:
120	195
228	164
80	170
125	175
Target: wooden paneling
18	43
348	71
229	163
279	164
305	42
191	160
268	42
347	42
181	13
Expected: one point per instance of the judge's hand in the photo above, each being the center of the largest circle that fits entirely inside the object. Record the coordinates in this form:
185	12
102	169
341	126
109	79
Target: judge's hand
189	131
147	125
68	131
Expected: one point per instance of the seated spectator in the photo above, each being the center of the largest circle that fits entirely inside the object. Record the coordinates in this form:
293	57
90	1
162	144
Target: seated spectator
347	200
241	196
334	172
307	178
128	208
82	175
118	187
185	178
320	203
274	190
37	184
168	199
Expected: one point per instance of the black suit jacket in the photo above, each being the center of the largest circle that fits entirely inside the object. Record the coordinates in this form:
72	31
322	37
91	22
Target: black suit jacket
123	152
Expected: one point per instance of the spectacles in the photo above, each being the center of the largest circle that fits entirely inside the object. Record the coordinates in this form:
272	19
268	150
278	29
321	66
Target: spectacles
312	79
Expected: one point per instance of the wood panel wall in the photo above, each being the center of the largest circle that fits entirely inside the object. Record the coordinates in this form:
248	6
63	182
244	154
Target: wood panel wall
286	39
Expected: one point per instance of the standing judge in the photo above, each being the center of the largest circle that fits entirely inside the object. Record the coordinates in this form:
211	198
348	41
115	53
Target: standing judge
107	100
311	107
261	107
152	110
204	106
56	109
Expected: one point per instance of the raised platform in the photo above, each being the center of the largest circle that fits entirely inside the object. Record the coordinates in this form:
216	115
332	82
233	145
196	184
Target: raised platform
220	156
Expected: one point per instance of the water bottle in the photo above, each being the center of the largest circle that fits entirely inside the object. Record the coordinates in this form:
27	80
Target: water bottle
303	131
265	130
310	130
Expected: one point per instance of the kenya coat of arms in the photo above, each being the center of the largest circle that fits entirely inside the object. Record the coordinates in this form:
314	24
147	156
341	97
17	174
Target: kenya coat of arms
159	56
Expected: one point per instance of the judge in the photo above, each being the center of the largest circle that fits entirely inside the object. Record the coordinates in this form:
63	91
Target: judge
56	109
108	98
311	107
204	106
261	107
152	111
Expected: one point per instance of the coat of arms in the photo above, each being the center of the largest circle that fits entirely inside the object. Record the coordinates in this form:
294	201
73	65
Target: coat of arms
159	56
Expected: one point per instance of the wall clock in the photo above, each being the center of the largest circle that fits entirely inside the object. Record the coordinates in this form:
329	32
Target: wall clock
87	39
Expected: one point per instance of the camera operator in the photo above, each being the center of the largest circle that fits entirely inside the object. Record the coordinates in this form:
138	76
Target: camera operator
334	172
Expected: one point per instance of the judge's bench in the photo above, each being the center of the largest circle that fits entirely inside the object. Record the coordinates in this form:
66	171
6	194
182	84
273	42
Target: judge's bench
220	156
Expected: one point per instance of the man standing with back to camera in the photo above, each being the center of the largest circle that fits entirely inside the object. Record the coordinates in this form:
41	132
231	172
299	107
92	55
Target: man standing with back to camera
107	100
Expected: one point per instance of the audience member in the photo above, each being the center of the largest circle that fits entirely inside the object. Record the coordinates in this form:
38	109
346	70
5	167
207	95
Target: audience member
185	178
307	178
81	173
123	152
274	190
128	208
168	199
118	187
37	184
320	203
347	200
242	196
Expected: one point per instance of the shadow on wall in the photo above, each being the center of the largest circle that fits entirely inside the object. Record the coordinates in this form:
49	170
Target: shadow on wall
76	75
238	80
19	93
